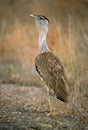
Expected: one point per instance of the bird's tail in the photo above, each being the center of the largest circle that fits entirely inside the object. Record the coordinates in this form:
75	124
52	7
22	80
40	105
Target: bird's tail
63	91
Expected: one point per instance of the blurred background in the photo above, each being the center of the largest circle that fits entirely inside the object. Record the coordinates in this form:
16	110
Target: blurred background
67	38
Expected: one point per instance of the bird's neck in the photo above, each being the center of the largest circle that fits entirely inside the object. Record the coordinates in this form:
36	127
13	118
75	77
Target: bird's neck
42	42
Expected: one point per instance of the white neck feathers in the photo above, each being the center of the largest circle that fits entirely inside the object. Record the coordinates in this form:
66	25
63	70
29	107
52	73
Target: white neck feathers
42	42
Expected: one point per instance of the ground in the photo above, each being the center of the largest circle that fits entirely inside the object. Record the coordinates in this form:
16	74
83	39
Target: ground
26	108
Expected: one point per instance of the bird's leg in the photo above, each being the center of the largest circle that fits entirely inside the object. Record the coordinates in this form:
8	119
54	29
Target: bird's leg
50	104
50	101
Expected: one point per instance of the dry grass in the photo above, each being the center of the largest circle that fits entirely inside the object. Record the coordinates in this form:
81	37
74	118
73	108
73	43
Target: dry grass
18	48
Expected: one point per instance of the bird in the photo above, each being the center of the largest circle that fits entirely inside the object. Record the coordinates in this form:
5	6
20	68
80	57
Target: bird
49	66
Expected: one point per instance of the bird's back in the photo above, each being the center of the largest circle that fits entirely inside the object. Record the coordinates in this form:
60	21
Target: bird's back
51	70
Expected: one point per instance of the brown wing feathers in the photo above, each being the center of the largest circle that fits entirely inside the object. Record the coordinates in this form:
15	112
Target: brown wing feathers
51	70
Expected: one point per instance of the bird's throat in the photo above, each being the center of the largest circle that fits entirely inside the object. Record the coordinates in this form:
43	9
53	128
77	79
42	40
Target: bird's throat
42	42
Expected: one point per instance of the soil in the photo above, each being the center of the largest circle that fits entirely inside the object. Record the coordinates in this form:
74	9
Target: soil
26	108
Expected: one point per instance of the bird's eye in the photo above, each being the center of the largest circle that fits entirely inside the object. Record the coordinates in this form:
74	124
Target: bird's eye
41	18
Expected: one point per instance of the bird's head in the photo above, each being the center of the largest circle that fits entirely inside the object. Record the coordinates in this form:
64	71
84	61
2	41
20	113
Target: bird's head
41	22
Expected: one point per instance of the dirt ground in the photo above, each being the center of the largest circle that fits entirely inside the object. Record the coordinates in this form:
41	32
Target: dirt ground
26	108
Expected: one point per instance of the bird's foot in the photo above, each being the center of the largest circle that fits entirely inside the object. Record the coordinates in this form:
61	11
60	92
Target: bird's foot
53	113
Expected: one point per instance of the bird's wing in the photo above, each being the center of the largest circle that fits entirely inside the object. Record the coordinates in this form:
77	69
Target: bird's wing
51	70
59	81
55	66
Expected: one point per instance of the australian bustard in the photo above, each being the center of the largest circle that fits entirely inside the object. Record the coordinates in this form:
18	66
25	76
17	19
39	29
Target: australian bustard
48	65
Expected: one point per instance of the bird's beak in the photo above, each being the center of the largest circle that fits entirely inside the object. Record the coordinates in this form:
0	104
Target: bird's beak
32	15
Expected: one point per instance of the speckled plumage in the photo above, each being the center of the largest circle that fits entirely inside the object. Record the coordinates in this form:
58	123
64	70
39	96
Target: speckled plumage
51	70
